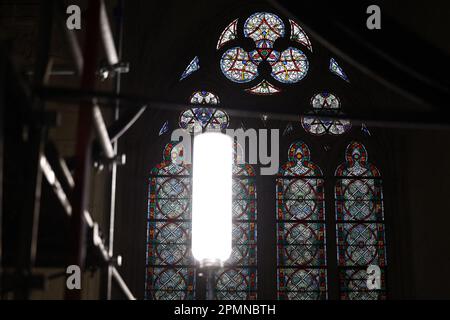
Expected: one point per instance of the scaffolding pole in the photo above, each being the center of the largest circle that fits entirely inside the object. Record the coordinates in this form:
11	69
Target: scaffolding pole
72	192
83	145
112	207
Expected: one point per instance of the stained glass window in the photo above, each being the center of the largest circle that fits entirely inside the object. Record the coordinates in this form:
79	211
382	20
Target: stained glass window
359	224
237	65
264	28
170	266
291	67
204	97
196	119
237	280
228	34
365	130
264	88
298	35
325	104
265	54
337	70
288	129
288	66
193	66
164	128
301	240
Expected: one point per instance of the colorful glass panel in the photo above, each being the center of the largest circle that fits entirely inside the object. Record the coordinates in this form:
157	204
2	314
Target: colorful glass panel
291	67
359	223
164	128
263	88
204	97
298	35
237	65
170	266
325	100
288	129
365	130
197	119
236	284
301	227
228	34
172	283
325	104
337	70
353	285
301	284
193	66
237	280
261	55
264	28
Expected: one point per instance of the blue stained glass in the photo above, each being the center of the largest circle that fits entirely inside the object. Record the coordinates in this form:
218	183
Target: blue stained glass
237	280
365	130
244	251
237	65
325	104
289	128
171	283
204	97
236	284
360	244
203	115
263	88
172	198
359	199
353	286
360	223
291	67
288	66
301	236
171	268
303	244
302	284
196	119
264	28
228	34
164	129
193	66
170	265
337	70
302	199
170	243
298	35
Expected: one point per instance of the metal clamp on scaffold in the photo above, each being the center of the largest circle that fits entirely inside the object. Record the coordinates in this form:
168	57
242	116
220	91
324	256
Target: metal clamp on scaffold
119	160
107	71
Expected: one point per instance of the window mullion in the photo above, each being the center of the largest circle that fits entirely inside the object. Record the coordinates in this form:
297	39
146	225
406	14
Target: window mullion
331	246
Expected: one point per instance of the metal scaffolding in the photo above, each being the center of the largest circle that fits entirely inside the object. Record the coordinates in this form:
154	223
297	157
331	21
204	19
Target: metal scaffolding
71	191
